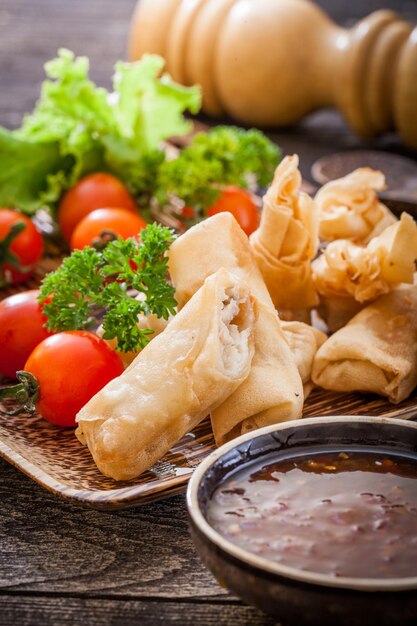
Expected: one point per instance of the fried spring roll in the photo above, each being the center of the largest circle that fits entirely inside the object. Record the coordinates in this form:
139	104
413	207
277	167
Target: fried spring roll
365	273
376	351
201	357
349	207
273	391
348	277
304	341
214	243
287	240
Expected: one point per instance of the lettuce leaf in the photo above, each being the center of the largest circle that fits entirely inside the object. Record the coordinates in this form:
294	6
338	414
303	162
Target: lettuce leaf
77	128
28	171
149	109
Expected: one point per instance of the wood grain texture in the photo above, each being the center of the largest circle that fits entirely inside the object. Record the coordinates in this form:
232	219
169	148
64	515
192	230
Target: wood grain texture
31	33
52	546
48	611
61	564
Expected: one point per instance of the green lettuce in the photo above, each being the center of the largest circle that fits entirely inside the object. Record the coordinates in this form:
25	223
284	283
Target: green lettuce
77	128
29	172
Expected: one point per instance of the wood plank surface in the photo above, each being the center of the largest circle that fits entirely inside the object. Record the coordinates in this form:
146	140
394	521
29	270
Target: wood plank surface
50	545
51	611
60	564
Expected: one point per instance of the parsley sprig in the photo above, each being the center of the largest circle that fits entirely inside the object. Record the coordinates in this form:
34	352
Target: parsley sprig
225	155
92	286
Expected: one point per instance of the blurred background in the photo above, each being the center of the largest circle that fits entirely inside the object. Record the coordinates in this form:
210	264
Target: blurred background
31	31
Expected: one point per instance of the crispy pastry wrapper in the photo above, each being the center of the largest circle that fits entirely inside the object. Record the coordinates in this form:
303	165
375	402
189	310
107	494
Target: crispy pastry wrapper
304	341
376	351
287	240
349	207
201	357
273	391
214	243
347	272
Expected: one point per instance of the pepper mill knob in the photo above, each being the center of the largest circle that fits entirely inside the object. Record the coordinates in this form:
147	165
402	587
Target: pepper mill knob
270	62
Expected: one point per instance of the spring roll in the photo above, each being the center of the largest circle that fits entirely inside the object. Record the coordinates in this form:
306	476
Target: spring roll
201	357
273	391
304	341
216	242
346	271
287	240
376	351
349	207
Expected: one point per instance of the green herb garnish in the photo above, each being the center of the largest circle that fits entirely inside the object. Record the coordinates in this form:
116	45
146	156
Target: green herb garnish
77	128
225	155
92	286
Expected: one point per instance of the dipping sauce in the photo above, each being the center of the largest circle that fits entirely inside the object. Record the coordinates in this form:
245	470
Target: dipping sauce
342	513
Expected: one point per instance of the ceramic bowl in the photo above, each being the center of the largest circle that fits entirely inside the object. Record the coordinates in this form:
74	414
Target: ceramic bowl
294	596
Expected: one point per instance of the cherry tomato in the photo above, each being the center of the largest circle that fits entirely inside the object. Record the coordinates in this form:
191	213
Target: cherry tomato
71	367
115	221
238	202
94	191
20	251
188	212
21	330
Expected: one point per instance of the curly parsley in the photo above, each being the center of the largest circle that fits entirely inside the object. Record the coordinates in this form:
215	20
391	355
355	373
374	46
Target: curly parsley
223	156
92	286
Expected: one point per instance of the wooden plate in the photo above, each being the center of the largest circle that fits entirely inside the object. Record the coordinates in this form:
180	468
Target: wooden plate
56	460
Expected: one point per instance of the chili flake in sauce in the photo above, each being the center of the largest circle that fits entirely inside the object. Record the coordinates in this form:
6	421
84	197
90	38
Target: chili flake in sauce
343	513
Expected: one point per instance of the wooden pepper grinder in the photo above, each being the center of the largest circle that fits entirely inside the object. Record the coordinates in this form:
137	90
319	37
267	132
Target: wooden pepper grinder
270	62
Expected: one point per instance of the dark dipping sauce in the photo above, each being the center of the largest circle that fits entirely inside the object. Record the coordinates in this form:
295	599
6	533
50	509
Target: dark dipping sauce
337	513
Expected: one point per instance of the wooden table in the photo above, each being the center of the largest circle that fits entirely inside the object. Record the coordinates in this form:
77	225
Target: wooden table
60	564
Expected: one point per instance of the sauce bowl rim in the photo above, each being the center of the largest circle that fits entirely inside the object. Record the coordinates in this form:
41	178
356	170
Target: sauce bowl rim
271	567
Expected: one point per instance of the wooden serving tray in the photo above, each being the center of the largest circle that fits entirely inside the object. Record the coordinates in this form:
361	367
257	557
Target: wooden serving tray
56	460
54	457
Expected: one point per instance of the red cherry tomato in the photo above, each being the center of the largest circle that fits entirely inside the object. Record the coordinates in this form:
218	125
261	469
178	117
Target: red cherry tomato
92	192
116	221
71	367
21	330
238	202
188	212
19	253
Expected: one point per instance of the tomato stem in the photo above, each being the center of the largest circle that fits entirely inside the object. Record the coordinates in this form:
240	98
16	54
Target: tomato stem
26	393
100	242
